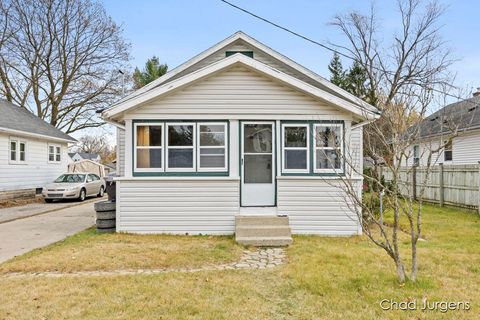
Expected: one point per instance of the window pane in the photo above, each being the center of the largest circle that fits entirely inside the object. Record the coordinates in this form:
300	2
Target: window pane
328	136
180	158
212	157
58	150
22	155
22	146
51	157
57	157
13	155
258	168
149	136
295	137
13	146
212	161
295	159
258	138
212	128
149	158
180	135
212	139
327	159
51	149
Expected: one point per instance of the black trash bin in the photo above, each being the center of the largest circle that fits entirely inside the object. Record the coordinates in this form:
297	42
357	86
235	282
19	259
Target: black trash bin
111	188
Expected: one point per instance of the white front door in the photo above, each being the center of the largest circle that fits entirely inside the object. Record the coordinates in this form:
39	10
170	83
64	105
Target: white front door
257	163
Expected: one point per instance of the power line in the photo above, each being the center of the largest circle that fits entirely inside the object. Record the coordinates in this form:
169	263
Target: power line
325	46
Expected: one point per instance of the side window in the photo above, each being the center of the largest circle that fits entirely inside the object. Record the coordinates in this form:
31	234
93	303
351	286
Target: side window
295	154
180	147
416	155
149	147
54	153
13	150
448	151
212	147
328	147
17	151
90	178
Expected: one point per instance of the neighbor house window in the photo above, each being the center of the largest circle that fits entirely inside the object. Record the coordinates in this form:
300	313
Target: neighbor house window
54	153
212	146
328	147
18	151
181	147
448	151
149	147
416	155
295	155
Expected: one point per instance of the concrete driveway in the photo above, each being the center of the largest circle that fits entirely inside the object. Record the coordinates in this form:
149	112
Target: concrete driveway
23	235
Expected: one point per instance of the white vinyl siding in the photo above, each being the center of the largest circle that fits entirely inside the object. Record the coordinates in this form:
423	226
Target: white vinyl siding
178	206
354	153
316	206
120	152
35	171
237	91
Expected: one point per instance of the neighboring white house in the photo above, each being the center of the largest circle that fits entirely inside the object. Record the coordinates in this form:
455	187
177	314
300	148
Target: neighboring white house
237	130
455	126
78	156
32	152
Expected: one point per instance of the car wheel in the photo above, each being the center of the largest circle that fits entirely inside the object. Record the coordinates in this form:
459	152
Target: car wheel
83	195
48	200
102	192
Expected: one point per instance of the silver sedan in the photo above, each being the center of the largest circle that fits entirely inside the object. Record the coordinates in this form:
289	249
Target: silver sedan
74	186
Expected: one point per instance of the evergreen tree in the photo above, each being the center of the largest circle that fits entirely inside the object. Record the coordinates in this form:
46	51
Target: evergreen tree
337	74
153	70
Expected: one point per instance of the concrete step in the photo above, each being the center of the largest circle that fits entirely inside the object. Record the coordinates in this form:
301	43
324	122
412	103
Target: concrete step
241	220
262	231
265	241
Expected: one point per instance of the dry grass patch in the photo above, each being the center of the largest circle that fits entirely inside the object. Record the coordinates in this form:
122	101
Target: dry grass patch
89	251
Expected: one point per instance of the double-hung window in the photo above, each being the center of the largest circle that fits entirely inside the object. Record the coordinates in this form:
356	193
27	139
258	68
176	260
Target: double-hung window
148	147
212	146
295	155
18	151
54	153
328	147
181	147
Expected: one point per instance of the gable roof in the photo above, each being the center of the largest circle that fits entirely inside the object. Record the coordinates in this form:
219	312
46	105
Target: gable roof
462	116
289	67
19	120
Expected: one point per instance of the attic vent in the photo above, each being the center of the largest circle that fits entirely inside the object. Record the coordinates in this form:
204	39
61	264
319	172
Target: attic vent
247	53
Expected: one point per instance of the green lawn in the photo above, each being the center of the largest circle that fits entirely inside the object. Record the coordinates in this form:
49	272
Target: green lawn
326	278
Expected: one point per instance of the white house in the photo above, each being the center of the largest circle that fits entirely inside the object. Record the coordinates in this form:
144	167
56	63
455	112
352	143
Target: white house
237	131
32	152
79	156
455	126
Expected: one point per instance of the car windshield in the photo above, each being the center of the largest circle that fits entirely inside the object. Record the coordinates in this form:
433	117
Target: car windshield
71	178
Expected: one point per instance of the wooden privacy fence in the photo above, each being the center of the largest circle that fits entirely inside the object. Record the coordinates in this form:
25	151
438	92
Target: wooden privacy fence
456	185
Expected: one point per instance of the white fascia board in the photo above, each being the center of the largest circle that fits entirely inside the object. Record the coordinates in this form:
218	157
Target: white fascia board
253	64
36	135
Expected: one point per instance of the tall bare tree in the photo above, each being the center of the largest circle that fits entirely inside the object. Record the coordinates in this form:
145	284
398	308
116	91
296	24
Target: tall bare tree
60	59
404	77
98	144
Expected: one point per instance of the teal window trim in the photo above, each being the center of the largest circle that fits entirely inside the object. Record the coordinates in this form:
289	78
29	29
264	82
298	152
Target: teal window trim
196	173
246	53
311	150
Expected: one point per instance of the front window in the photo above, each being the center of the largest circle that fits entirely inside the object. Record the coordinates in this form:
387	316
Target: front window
448	151
54	153
328	147
148	147
295	157
212	146
71	178
186	147
180	147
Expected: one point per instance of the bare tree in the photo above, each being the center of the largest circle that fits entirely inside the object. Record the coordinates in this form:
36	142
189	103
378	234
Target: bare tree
96	144
60	59
405	78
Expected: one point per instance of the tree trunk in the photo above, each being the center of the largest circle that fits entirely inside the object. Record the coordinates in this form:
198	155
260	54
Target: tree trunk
400	270
413	275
